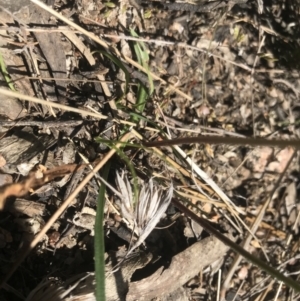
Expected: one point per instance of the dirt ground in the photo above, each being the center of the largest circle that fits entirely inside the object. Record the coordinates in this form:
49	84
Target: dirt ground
157	70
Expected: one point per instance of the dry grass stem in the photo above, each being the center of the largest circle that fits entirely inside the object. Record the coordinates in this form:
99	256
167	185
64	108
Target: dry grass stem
182	45
52	104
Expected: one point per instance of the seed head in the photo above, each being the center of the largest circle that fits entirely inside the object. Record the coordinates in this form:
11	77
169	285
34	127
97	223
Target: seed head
152	203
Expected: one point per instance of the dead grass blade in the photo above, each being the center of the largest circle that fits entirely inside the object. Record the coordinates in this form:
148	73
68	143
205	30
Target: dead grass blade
52	104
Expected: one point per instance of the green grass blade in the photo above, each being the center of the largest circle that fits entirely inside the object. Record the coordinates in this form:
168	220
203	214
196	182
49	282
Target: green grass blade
141	99
143	59
142	93
5	73
133	173
99	240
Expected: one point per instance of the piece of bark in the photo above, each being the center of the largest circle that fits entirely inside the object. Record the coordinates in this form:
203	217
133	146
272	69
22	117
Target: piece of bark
52	48
181	294
29	208
116	284
164	285
183	267
49	42
22	146
10	106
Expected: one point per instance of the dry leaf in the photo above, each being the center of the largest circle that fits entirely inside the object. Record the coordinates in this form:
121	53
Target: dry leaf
2	161
255	244
290	197
30	225
243	273
260	158
209	150
283	156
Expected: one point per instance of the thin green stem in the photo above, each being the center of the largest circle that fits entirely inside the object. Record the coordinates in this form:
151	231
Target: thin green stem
99	240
